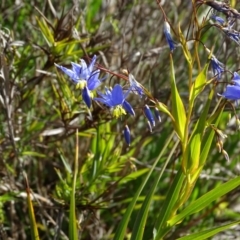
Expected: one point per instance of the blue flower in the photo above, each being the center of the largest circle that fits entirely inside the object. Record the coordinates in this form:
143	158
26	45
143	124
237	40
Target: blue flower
217	67
232	34
116	99
217	19
149	115
85	77
232	92
127	135
135	86
167	33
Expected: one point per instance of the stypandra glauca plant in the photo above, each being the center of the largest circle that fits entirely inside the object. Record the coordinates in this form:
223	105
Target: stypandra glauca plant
195	136
109	154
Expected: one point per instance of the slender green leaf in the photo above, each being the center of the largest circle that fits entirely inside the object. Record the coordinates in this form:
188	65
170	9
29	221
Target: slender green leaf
209	233
33	223
168	207
178	110
73	233
205	200
139	225
121	230
199	84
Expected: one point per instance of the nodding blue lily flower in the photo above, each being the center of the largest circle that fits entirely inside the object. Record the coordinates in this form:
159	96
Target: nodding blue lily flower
85	77
116	99
232	92
135	86
232	34
127	135
217	67
167	33
217	19
149	115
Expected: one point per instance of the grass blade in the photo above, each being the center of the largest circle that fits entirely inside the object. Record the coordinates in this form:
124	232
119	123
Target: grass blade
121	230
33	223
140	222
208	233
205	200
73	233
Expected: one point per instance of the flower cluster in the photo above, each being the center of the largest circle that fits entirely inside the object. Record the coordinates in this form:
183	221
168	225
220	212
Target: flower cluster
226	26
86	78
232	91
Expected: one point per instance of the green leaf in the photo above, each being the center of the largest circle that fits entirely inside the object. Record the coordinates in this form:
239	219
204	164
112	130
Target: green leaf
33	223
205	200
73	232
178	110
208	139
133	175
185	47
168	207
46	32
34	154
209	233
122	227
191	160
140	222
199	84
93	8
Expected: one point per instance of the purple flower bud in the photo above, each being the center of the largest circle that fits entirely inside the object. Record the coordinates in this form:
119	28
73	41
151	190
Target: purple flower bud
167	33
135	85
232	34
149	115
217	19
157	114
217	67
127	106
127	135
86	97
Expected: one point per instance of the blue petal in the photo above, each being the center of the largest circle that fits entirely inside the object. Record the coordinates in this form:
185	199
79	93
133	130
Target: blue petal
77	68
93	82
105	100
85	73
117	95
86	97
69	72
167	33
127	106
218	19
92	63
217	67
135	85
127	135
232	92
149	115
236	79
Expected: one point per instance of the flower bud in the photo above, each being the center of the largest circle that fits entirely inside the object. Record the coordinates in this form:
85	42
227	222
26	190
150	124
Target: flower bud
127	135
86	97
149	115
167	33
